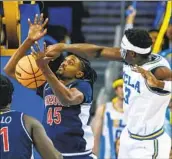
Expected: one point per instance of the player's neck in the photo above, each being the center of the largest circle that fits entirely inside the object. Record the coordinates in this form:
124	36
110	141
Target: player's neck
142	61
7	108
67	81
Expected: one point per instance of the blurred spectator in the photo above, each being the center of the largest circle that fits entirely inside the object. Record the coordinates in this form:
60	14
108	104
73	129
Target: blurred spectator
117	144
169	34
153	33
100	122
130	18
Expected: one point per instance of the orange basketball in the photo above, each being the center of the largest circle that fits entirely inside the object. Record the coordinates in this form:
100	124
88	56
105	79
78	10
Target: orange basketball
28	73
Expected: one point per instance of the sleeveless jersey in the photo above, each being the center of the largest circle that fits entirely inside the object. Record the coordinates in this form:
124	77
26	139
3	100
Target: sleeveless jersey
118	126
15	142
68	127
144	107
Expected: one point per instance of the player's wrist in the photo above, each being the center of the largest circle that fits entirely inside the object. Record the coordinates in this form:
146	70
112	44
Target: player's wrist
30	40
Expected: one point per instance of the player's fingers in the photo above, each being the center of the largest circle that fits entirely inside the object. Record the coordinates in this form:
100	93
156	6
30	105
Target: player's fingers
45	46
37	46
48	58
41	19
44	32
33	50
29	22
45	22
34	55
36	19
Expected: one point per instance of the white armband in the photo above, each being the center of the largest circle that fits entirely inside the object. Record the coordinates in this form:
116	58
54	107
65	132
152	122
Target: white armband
168	86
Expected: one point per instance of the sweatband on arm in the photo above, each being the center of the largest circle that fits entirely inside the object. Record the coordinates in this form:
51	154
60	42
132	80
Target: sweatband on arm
168	86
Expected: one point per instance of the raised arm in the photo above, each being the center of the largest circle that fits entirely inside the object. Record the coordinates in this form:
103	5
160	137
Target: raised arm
35	33
41	141
84	50
67	96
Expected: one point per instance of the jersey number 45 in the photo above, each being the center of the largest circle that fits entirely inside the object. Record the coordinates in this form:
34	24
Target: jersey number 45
54	116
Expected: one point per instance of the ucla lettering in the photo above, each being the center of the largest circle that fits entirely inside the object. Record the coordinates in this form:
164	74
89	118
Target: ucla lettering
128	81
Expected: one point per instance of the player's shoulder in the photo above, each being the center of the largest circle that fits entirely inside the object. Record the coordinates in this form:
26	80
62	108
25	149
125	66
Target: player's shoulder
157	61
84	83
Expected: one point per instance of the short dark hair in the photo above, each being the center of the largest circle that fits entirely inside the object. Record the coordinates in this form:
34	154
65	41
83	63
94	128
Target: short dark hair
139	37
6	91
89	73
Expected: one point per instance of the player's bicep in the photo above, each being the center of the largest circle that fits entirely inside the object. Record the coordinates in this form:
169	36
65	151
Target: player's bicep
162	73
77	97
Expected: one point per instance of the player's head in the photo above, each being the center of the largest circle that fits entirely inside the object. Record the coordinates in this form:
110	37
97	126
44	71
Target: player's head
118	87
75	67
136	46
6	91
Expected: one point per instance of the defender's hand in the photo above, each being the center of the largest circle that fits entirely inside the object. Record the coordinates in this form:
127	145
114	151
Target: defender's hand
40	58
54	51
36	29
150	78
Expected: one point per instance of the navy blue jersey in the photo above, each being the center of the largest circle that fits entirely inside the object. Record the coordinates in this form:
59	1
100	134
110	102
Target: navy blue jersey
15	142
67	126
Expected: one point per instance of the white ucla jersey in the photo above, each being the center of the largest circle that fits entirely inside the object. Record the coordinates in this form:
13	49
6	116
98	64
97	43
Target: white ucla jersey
118	126
144	108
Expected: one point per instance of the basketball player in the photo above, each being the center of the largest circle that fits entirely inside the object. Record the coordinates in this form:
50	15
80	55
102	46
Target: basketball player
68	96
19	132
101	124
144	105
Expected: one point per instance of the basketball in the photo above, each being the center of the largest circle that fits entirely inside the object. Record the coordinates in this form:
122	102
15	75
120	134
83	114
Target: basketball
28	74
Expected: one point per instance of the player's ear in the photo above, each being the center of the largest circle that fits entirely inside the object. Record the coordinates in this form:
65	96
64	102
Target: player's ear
79	74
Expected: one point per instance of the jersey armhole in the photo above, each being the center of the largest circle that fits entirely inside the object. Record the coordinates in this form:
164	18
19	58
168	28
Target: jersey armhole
24	128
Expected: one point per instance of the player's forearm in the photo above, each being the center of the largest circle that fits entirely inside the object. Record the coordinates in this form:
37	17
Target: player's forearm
94	51
11	65
59	89
84	50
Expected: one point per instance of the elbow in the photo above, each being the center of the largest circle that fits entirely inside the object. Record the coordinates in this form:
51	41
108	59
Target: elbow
59	156
8	72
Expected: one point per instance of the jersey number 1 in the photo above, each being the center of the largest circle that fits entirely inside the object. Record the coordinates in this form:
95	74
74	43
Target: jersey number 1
4	133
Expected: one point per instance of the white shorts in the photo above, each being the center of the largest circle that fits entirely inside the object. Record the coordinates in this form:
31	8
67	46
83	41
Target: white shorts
158	148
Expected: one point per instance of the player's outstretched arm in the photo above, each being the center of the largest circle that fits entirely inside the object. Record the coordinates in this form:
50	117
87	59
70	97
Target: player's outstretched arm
84	50
36	32
40	139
